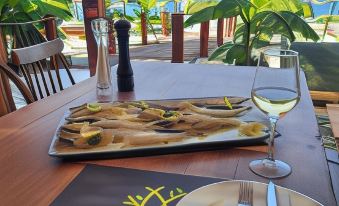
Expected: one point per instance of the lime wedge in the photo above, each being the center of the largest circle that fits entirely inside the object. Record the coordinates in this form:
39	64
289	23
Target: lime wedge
94	107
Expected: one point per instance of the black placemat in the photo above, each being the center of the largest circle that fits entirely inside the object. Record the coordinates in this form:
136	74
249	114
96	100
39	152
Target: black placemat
99	185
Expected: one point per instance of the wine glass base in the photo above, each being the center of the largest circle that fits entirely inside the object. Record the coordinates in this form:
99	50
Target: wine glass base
270	168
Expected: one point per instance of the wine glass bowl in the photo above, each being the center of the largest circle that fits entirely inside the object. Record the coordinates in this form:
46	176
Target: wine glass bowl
275	91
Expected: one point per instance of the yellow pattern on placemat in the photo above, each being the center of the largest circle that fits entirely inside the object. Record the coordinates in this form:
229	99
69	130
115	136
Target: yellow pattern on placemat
138	200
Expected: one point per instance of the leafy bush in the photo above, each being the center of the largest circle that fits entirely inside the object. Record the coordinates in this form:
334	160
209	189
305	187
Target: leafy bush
261	19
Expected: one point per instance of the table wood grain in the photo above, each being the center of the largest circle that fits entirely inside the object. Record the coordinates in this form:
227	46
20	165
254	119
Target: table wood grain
28	176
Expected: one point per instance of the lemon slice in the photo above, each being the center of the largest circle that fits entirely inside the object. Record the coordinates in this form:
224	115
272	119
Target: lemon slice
228	103
89	134
94	107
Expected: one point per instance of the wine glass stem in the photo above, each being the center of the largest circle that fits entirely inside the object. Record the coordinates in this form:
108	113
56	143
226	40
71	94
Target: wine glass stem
273	121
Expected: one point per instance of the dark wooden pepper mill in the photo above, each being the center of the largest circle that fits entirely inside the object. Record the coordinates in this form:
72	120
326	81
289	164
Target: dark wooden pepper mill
124	71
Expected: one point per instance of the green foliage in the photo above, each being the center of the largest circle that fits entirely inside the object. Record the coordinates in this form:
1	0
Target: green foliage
12	11
193	6
147	5
260	20
33	10
308	10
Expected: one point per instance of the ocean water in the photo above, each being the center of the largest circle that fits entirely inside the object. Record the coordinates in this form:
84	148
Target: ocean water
319	10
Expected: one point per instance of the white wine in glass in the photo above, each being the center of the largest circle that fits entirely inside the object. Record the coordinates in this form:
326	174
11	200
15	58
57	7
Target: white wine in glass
275	101
275	91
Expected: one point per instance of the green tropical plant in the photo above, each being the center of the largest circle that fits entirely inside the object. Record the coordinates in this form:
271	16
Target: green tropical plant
16	11
193	6
28	10
261	19
116	13
145	7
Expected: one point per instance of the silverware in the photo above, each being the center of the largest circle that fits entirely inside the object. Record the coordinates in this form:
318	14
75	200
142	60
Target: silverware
245	194
271	195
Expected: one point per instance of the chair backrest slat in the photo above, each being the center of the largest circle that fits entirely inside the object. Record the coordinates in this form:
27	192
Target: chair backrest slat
66	65
24	73
41	70
30	81
56	66
37	52
50	76
37	81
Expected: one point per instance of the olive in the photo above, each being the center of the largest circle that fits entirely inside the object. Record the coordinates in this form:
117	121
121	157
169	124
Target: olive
94	140
168	114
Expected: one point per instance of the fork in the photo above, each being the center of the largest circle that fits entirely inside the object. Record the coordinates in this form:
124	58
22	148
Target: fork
245	194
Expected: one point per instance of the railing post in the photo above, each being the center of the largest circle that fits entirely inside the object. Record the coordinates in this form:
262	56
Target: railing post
226	27
143	28
220	32
50	28
230	26
111	38
204	34
92	9
51	34
164	23
178	38
234	25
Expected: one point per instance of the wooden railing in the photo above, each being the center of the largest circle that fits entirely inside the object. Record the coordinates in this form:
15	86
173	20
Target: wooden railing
178	35
96	9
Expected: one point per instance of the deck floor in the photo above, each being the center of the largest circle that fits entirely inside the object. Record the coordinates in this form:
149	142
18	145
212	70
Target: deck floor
163	51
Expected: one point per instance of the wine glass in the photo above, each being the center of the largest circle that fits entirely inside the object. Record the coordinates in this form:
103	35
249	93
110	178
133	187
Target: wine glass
275	91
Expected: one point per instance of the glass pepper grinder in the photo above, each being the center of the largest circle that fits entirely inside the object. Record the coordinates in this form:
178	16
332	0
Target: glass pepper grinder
103	70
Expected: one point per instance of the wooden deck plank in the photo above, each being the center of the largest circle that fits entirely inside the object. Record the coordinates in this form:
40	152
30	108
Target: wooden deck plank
163	51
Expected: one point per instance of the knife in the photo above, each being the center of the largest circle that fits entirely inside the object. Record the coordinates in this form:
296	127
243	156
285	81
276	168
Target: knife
271	196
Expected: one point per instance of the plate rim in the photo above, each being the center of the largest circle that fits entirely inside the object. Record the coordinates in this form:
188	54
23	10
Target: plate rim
255	182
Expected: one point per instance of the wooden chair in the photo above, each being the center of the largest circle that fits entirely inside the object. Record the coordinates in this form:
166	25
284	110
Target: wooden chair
7	104
42	76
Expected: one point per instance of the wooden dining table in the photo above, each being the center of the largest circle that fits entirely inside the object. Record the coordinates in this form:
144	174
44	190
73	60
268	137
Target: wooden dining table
29	176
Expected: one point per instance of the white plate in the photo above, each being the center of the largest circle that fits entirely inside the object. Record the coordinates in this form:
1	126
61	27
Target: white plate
227	193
